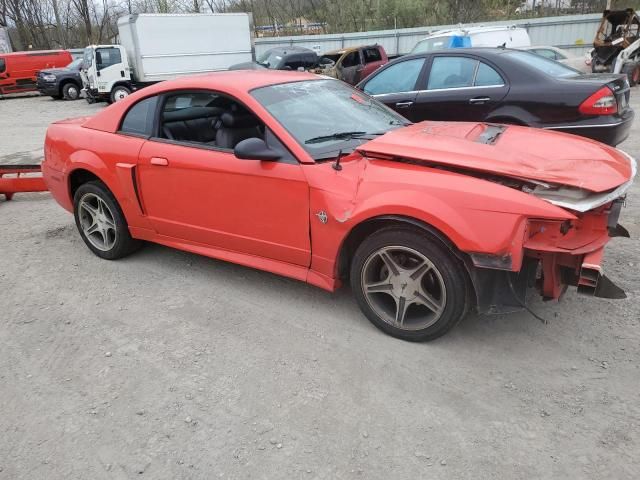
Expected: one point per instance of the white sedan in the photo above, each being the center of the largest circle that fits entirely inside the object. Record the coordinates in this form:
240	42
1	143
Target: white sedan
581	63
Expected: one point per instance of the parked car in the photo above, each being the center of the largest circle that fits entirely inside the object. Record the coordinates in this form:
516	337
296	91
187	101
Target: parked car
492	36
306	177
18	70
61	82
282	58
352	64
505	86
581	63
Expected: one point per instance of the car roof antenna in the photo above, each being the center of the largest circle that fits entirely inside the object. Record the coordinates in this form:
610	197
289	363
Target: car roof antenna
336	166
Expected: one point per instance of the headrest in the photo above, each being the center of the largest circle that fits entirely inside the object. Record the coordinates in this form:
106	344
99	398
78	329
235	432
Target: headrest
238	120
191	113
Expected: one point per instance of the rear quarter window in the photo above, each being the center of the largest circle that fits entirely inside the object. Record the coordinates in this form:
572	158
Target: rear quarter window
139	119
3	65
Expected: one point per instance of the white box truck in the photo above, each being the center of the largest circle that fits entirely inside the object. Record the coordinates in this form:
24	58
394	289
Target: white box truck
157	47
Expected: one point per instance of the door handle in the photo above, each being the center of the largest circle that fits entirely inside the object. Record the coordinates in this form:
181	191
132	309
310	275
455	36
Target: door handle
403	104
160	162
479	100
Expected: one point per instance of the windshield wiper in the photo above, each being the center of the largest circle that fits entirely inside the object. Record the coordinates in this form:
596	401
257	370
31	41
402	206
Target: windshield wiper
342	136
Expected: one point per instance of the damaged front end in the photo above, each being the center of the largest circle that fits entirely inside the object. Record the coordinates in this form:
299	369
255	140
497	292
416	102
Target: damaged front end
556	254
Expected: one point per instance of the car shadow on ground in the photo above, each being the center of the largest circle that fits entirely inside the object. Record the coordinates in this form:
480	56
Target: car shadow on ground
341	304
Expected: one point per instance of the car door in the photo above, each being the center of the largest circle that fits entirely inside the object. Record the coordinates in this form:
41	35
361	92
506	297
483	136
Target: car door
372	61
350	67
108	65
201	193
396	85
459	88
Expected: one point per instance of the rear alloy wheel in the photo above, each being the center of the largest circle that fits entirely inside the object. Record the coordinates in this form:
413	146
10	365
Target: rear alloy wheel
71	91
119	93
101	223
409	285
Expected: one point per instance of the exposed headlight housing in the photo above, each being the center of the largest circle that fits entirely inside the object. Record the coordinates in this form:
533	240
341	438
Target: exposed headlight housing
48	77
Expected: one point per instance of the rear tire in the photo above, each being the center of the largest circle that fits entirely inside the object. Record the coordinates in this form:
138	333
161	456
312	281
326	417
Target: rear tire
71	91
408	284
101	222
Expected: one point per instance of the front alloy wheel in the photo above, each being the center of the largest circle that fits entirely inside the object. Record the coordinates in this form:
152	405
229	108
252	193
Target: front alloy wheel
403	287
409	284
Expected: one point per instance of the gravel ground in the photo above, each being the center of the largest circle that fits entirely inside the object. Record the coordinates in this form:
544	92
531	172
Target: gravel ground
168	365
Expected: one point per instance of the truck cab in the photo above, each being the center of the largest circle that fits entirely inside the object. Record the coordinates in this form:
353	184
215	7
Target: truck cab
106	74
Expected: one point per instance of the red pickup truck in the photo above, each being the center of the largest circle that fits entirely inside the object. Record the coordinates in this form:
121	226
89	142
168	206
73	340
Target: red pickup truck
352	64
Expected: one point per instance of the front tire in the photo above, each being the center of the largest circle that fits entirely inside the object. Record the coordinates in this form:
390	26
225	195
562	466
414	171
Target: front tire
119	92
71	91
101	222
408	284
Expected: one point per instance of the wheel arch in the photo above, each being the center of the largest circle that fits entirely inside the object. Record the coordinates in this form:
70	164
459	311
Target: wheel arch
66	81
80	176
360	231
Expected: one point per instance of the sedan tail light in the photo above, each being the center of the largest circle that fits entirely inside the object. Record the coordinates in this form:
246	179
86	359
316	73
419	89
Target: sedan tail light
603	102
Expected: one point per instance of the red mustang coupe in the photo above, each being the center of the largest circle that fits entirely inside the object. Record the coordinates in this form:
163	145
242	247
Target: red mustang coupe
306	177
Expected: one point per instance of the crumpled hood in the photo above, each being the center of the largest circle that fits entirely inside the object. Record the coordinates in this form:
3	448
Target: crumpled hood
518	152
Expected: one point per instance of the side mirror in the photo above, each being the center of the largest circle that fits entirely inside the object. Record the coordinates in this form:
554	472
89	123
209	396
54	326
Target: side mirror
255	149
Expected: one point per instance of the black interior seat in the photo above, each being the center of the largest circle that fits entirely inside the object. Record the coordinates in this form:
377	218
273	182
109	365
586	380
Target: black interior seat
237	127
193	124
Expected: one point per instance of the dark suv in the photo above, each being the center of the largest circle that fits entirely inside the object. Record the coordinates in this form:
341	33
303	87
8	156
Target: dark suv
61	82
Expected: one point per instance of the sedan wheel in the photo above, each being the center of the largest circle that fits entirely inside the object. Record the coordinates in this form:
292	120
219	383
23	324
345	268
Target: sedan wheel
408	284
101	223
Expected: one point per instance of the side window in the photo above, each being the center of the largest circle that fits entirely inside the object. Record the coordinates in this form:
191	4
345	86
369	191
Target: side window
3	65
487	76
105	57
139	118
372	55
401	77
451	72
351	60
207	119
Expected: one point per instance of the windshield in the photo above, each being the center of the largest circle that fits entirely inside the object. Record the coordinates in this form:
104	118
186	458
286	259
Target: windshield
270	59
88	58
431	44
75	65
337	110
543	64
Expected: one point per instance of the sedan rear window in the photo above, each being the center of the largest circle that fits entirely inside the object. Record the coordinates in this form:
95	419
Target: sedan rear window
542	64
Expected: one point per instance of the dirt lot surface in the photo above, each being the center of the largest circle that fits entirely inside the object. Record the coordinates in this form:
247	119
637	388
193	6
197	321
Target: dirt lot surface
168	365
